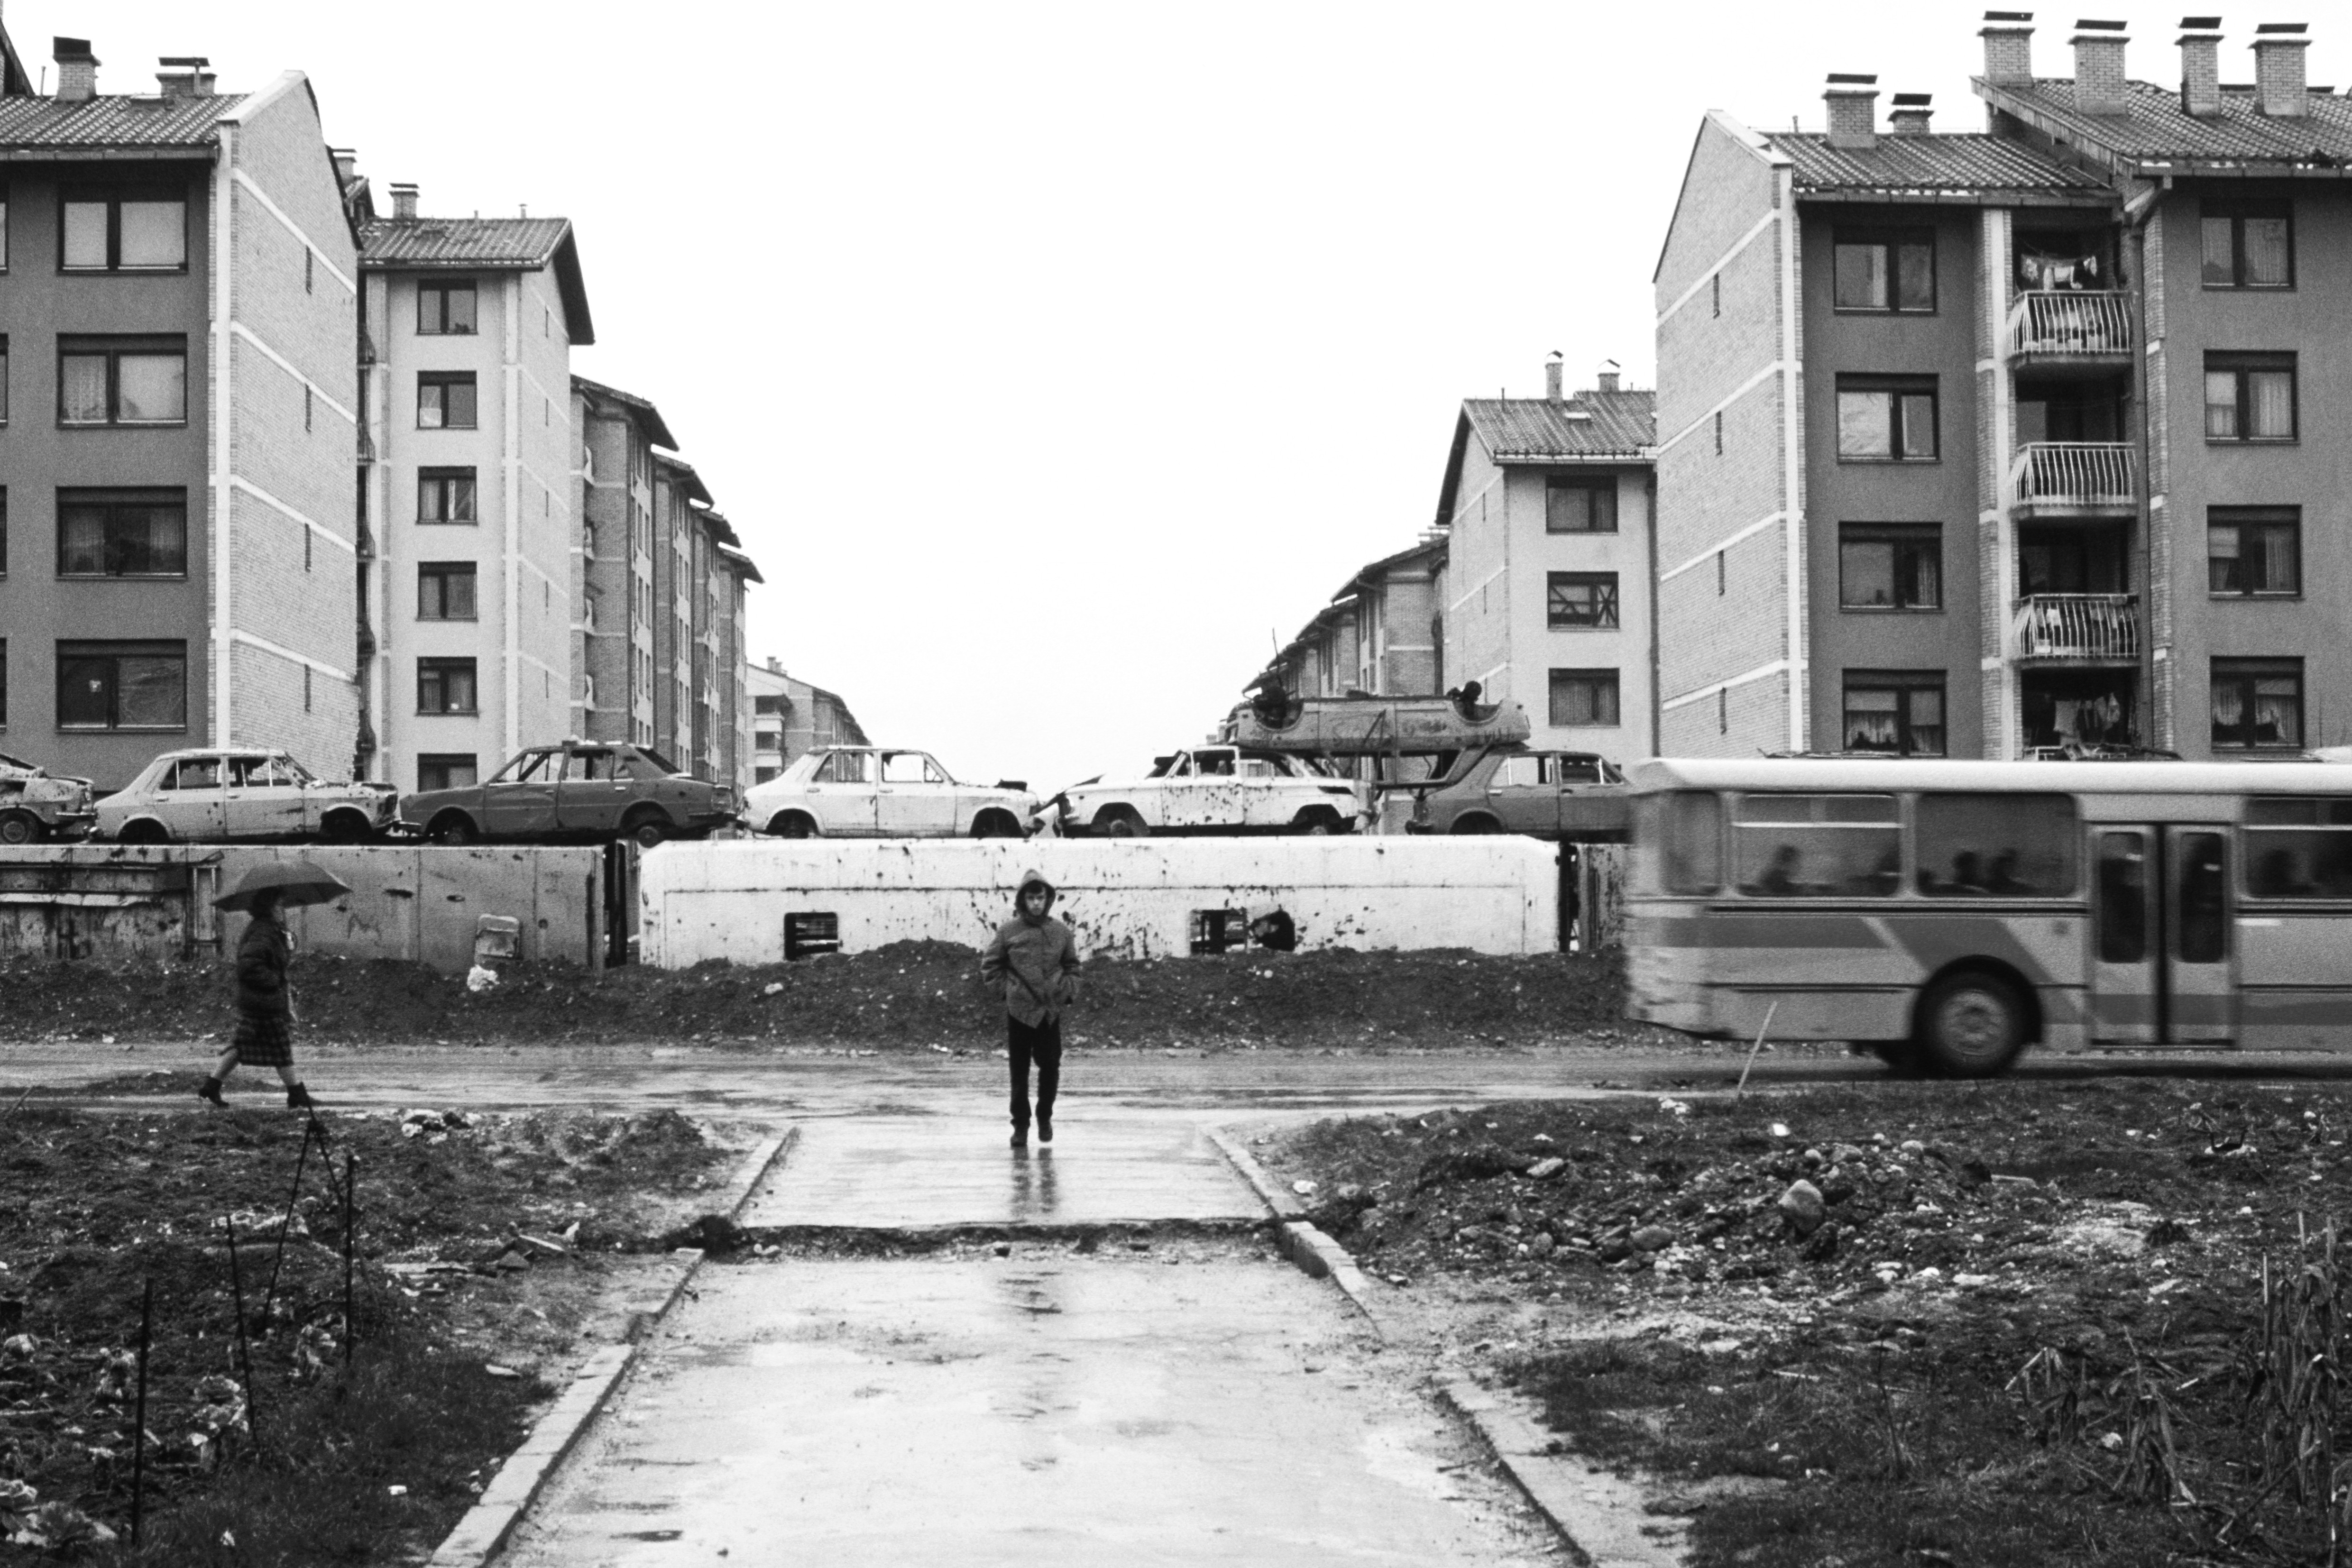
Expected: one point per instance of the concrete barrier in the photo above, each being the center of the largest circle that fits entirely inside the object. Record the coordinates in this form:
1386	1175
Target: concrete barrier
1137	898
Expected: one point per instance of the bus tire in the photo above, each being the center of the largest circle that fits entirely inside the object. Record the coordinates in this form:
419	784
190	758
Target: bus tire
1972	1024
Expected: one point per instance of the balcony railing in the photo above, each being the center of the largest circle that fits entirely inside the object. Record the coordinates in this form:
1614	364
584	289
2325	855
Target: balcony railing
2072	476
2071	323
2092	628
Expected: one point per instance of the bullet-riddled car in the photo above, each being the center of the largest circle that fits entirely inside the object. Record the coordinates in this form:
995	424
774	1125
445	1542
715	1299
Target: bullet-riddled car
210	795
1573	795
876	791
579	791
35	804
1214	790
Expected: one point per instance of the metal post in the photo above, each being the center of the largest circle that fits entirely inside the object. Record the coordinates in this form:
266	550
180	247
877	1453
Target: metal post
293	1193
244	1345
351	1179
139	1413
1742	1091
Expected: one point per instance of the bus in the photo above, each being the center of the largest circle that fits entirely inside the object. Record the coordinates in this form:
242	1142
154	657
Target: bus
1950	913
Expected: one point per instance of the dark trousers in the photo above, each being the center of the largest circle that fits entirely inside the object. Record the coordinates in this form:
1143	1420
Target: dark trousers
1041	1043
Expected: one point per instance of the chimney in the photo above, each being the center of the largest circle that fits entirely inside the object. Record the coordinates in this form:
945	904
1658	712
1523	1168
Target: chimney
2200	65
77	70
1607	376
1552	390
1854	111
2278	70
403	203
2009	47
1910	115
347	163
2099	66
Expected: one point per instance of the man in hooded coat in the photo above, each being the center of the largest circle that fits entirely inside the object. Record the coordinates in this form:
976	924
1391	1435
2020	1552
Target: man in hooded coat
1036	964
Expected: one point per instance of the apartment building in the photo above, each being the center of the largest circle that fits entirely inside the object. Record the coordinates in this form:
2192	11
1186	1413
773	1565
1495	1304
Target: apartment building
468	487
2005	443
614	659
178	412
1381	634
1545	511
790	719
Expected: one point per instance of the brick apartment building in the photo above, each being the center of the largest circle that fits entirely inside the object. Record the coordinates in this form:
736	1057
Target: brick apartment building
178	413
790	719
1994	442
1379	634
614	633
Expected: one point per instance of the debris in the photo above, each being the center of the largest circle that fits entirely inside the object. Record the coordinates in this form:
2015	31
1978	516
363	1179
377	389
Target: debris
1302	1188
1803	1206
1779	1129
495	1370
480	979
1546	1168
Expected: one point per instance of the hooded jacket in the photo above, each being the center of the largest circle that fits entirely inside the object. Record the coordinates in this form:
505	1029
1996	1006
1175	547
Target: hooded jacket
1035	962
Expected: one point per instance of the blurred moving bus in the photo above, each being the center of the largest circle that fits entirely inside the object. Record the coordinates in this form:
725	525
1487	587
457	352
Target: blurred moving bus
1952	913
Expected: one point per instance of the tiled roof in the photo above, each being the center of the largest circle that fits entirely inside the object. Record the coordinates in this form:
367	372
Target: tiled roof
1956	164
1535	430
113	122
657	428
463	241
2153	129
744	565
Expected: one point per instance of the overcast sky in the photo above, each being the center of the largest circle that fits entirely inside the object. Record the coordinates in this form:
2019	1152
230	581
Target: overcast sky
1052	357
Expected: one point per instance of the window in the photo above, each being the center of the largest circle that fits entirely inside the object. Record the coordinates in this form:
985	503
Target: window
1897	712
2257	702
1720	570
846	768
1584	696
445	495
2123	898
444	310
1890	566
446	770
1717	281
192	773
123	231
444	590
445	685
3	530
1580	505
123	533
444	400
122	381
4	683
2249	245
1885	269
1582	601
2251	550
122	685
1997	846
1687	828
2249	397
1817	846
1887	419
4	378
2299	848
1718	433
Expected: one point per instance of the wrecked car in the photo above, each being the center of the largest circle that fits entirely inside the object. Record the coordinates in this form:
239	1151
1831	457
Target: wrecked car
36	804
1214	790
878	792
1573	795
575	791
210	796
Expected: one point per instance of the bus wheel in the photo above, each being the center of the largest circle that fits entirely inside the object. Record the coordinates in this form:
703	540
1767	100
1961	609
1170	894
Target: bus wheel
1971	1025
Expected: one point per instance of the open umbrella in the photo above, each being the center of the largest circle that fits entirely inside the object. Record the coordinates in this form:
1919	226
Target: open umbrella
294	881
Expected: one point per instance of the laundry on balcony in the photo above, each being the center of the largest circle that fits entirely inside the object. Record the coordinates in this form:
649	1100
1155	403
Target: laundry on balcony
2073	322
2088	628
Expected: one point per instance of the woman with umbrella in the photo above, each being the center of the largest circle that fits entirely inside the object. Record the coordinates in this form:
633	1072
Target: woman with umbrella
265	1005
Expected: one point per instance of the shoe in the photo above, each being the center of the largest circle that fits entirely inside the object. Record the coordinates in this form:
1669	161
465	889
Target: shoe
210	1089
297	1098
1020	1137
1045	1129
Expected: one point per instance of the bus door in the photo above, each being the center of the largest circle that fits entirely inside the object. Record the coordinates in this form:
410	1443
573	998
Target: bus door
2161	960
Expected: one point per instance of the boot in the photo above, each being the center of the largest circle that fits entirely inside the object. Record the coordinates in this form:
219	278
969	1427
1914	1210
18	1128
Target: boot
1020	1137
1044	1127
297	1098
210	1089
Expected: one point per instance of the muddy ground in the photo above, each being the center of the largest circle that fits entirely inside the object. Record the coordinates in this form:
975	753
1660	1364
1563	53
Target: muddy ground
489	1253
2000	1324
911	994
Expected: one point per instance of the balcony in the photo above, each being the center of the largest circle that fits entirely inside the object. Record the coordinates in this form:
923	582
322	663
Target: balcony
2052	328
2076	629
2071	478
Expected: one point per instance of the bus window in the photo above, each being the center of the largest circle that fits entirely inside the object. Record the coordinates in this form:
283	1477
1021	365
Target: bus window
2299	848
2123	898
1689	836
2204	901
1820	846
1997	846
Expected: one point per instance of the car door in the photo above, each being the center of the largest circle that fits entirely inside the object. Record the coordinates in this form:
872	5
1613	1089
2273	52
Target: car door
188	798
842	794
915	800
591	793
260	800
1521	796
521	800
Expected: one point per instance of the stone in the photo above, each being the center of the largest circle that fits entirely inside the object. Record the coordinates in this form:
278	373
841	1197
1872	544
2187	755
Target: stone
1821	1245
1913	1147
1541	1244
1845	1153
511	1262
1803	1206
1651	1238
1616	1249
1546	1168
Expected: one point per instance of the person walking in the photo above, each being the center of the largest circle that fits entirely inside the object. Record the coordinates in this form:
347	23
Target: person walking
1035	962
264	1002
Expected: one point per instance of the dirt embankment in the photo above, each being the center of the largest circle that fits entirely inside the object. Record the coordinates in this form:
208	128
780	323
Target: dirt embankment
913	994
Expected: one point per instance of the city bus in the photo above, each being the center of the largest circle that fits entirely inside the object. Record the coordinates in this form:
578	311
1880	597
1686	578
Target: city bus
1951	914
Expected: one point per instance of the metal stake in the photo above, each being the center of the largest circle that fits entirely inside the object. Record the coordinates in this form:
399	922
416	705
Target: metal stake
139	1413
1742	1091
244	1345
350	1323
292	1196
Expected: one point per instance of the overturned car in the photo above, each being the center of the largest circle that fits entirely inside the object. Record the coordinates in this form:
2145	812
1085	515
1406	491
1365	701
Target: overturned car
36	804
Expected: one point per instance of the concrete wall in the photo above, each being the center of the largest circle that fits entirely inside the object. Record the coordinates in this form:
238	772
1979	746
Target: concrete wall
1130	900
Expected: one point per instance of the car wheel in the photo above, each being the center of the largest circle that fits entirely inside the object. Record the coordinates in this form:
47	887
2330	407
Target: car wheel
18	828
792	825
145	833
1972	1024
995	825
345	827
647	828
454	831
1476	825
1319	821
1119	823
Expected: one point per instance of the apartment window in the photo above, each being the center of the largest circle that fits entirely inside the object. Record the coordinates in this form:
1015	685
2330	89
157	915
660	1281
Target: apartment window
1581	599
122	381
123	231
1584	696
2249	245
444	590
1897	712
1887	419
446	770
445	685
3	530
122	685
3	373
1581	506
1885	269
2249	397
2253	550
444	310
2257	703
445	495
1890	566
123	533
4	683
444	400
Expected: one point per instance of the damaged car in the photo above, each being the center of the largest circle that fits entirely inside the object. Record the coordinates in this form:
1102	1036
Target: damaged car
1578	796
577	791
1214	790
206	796
882	792
36	804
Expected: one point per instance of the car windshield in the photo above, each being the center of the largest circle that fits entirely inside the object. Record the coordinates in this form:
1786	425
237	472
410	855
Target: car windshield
669	769
803	766
523	768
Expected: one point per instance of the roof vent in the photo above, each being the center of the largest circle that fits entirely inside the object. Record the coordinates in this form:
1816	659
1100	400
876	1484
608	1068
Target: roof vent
1854	111
185	75
2099	66
2007	47
2200	65
2278	70
1910	114
1553	392
403	203
77	70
